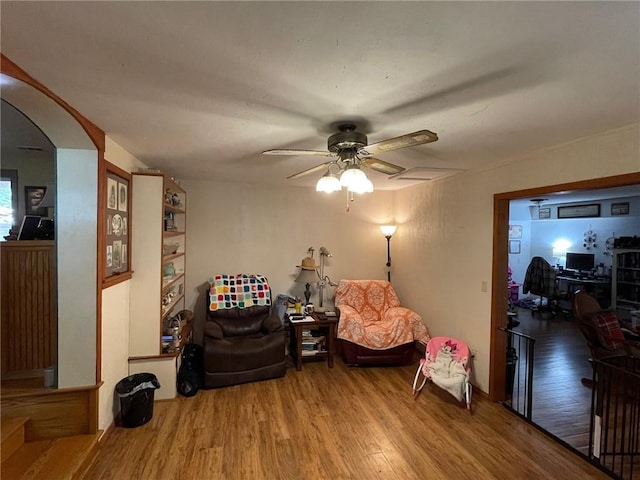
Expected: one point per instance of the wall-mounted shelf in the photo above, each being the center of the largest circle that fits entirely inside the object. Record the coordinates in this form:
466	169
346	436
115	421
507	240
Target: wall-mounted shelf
160	227
625	291
173	256
169	281
173	233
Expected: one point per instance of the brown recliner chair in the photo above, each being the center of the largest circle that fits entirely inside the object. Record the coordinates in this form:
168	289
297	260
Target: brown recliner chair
605	338
243	345
603	342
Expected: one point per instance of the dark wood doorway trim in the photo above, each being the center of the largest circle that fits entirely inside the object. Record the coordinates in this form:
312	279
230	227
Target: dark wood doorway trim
499	289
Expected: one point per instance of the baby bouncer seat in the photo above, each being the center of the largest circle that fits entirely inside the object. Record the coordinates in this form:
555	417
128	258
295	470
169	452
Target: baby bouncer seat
446	364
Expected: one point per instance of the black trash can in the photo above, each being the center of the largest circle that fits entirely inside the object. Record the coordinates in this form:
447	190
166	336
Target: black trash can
136	398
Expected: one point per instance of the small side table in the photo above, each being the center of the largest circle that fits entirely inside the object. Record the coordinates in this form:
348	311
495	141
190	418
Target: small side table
328	325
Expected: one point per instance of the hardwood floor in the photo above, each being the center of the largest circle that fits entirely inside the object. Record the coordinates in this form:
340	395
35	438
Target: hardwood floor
340	423
561	404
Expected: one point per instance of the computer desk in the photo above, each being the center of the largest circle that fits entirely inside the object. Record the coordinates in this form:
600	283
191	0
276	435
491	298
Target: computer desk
599	287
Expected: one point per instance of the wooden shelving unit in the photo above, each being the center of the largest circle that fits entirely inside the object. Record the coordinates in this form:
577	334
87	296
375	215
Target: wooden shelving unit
625	284
157	288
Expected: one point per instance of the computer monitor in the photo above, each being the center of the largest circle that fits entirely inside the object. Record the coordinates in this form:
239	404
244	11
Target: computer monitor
582	262
29	228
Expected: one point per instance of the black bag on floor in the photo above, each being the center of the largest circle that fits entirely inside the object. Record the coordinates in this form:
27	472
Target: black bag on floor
191	372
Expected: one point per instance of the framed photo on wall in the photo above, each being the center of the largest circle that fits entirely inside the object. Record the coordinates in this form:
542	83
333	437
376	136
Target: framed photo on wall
544	213
514	246
116	225
32	198
579	211
621	208
515	231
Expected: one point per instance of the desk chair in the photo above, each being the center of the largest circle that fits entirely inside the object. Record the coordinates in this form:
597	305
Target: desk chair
540	280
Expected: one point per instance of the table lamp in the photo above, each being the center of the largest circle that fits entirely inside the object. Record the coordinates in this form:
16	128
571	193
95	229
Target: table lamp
308	275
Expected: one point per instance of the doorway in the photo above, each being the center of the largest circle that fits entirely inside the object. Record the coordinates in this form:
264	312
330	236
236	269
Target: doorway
548	361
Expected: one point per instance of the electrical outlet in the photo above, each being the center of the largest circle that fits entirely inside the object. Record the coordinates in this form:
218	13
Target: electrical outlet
483	286
474	352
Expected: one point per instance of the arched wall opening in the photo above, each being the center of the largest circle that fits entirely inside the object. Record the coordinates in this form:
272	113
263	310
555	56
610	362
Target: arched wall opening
79	149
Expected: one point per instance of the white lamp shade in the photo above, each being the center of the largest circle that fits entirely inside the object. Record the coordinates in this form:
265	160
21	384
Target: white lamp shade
328	183
49	198
367	187
307	276
388	230
351	177
356	181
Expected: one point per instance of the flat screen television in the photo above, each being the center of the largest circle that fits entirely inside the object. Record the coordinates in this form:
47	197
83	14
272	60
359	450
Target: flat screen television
581	262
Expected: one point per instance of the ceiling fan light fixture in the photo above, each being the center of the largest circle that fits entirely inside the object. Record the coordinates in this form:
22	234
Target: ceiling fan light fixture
367	186
353	177
355	180
328	183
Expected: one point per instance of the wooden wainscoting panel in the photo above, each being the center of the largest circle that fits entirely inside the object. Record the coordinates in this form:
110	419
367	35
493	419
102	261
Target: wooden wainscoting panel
28	311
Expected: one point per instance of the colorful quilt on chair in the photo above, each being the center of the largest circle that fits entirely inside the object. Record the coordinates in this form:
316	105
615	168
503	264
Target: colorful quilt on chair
241	291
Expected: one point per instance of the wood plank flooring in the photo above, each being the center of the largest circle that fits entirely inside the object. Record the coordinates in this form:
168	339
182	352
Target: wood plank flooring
561	404
340	423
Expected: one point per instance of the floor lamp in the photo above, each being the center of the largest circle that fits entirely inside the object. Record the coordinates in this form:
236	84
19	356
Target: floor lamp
324	254
388	231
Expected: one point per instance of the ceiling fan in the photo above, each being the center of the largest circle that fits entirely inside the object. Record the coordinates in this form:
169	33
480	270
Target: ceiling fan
348	150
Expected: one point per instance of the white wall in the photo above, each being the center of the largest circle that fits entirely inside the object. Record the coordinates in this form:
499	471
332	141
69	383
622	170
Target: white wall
444	242
539	235
115	316
115	349
520	214
545	232
76	240
236	228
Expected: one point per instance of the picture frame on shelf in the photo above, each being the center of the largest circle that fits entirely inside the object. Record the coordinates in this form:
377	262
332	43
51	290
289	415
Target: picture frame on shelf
169	223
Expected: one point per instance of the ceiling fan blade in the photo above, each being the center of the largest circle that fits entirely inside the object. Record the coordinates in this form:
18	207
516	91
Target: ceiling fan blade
403	141
315	153
382	166
322	166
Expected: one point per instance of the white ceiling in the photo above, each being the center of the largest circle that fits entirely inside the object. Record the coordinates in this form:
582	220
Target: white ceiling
200	89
